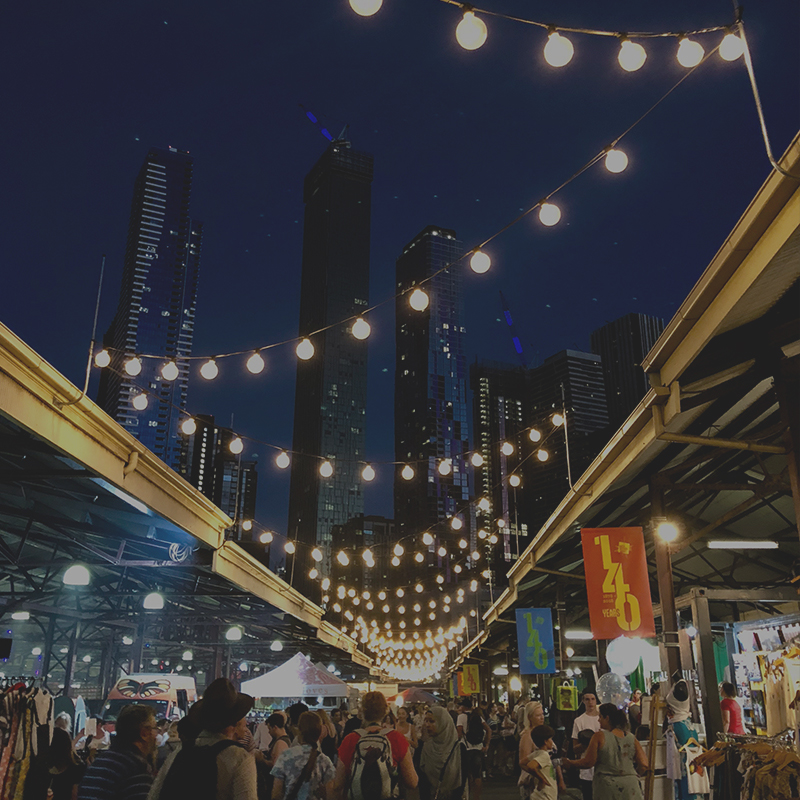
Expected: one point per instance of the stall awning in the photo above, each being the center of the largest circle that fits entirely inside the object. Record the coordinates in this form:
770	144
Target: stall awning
298	677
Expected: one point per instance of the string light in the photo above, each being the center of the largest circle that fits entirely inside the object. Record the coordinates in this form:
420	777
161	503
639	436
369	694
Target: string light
534	435
140	401
482	534
690	53
102	359
418	588
255	364
514	480
133	366
170	371
305	350
542	455
361	329
456	524
559	50
189	426
731	48
398	549
507	448
282	460
477	460
400	592
419	558
312	573
395	561
471	32
418	300
316	554
463	544
501	523
342	558
475	555
616	161
427	538
367	556
265	538
366	8
368	473
493	539
557	420
442	551
480	262
236	446
407	472
290	548
549	214
631	55
484	504
326	469
209	370
445	466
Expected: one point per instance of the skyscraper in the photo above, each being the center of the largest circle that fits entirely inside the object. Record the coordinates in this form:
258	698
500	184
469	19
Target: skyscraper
430	401
156	309
331	387
622	345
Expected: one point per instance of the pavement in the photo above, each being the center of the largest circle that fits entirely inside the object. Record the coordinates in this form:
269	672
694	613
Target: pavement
500	789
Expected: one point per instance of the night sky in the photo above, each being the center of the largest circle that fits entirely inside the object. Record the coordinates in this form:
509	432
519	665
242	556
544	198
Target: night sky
460	139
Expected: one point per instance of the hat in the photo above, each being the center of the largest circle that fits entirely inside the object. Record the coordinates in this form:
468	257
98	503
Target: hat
221	706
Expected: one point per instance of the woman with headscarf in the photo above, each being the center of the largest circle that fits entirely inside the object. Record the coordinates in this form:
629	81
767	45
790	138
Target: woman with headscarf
440	762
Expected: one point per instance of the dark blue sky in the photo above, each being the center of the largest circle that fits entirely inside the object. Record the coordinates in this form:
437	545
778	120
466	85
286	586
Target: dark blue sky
461	139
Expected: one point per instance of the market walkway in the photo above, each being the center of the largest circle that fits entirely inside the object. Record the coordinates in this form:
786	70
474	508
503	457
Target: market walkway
500	789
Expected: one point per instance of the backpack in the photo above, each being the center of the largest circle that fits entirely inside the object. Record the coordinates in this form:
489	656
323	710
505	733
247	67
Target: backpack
194	772
372	773
475	733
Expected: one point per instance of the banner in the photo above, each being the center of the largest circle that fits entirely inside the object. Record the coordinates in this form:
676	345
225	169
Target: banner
617	584
535	641
456	683
471	679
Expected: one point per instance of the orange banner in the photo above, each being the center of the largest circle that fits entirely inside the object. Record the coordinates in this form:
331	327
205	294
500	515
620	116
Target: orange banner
616	582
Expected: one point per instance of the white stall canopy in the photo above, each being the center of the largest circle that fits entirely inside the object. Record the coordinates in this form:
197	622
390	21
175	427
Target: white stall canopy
298	677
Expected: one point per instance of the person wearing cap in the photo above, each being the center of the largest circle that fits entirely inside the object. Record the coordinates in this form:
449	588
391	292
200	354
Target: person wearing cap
215	757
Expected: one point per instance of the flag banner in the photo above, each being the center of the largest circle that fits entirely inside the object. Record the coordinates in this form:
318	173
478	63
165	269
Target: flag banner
535	641
617	584
471	679
456	682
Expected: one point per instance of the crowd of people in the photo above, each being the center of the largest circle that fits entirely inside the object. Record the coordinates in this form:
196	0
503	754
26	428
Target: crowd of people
438	752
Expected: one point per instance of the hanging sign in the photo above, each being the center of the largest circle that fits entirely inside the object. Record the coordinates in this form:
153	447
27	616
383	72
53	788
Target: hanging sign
535	641
456	683
470	679
617	584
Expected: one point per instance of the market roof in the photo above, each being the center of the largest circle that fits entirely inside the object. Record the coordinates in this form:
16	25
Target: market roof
710	431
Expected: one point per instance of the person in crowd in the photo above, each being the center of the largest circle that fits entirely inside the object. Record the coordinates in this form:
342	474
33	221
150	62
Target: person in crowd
170	745
64	721
124	770
327	738
534	718
215	759
87	745
635	710
65	768
390	720
276	724
731	710
588	721
540	765
493	718
303	771
373	708
475	736
261	735
163	731
507	751
615	755
440	762
338	725
352	724
406	728
294	711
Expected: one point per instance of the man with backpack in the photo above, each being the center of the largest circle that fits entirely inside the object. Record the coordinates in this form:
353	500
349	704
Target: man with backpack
372	761
215	767
475	735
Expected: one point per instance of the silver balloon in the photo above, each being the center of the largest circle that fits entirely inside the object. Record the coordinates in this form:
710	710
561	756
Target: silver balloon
613	688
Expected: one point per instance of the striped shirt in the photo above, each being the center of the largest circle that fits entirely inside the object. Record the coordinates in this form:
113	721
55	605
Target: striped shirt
117	774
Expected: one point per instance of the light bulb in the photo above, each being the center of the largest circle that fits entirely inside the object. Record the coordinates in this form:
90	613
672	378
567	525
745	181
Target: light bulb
368	473
398	549
233	634
482	534
549	214
326	469
366	8
473	586
255	363
153	602
140	401
236	446
247	525
290	548
407	473
507	448
501	523
305	350
442	552
690	53
484	504
456	524
514	481
282	460
209	370
102	359
558	51
463	544
342	558
133	366
667	531
457	570
730	49
419	558
616	161
367	556
427	538
418	300
189	426
631	56
475	555
534	435
169	371
418	588
361	329
316	554
557	420
399	592
570	652
326	584
493	539
480	262
471	32
265	537
542	455
445	466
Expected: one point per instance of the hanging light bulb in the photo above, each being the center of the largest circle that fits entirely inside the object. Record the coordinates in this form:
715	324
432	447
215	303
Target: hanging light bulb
189	426
484	504
170	371
480	262
312	573
557	420
289	547
477	460
133	366
407	473
361	329
209	370
471	32
305	350
501	523
395	561
367	556
730	49
473	587
265	537
418	300
342	558
542	455
400	592
316	554
475	555
418	588
398	549
326	584
463	544
690	53
282	460
427	538
482	534
514	481
326	469
558	51
456	524
102	358
507	448
366	8
419	558
236	446
140	401
442	551
631	55
549	214
493	539
534	435
616	161
247	525
445	466
368	473
457	569
255	363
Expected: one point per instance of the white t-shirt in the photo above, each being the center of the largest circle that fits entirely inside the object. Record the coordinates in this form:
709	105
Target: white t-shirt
463	723
542	757
582	723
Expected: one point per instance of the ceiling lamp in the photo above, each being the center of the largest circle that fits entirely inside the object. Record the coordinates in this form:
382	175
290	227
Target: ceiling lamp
153	602
76	575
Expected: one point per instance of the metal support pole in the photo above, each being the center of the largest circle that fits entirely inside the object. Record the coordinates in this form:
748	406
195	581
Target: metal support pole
666	591
561	617
706	668
602	663
71	655
48	650
787	387
137	653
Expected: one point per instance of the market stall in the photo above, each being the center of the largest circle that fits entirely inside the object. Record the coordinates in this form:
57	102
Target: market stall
299	679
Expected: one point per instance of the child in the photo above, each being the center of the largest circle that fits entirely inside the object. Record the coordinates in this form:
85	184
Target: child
539	763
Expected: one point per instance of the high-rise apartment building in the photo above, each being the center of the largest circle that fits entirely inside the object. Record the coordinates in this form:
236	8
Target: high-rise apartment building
430	406
331	387
156	309
622	345
228	480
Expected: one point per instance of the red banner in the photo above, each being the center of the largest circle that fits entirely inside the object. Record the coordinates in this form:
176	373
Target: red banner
616	582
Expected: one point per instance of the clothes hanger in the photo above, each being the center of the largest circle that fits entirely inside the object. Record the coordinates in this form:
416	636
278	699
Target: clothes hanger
689	742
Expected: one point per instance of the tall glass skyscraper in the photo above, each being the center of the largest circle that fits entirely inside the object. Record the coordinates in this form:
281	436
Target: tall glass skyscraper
430	400
331	388
156	310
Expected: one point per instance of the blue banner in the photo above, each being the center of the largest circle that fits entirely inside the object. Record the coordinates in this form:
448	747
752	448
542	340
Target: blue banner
535	641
